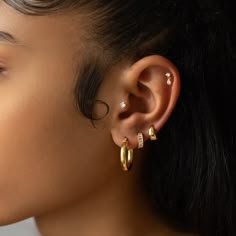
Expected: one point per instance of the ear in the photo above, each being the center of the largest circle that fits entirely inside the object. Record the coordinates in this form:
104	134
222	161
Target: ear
149	90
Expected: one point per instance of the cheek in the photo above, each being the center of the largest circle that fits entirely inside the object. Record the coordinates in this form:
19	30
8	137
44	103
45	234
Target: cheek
43	159
31	142
37	147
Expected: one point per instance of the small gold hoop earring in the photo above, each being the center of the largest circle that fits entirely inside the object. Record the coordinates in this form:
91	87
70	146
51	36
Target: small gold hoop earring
152	134
126	156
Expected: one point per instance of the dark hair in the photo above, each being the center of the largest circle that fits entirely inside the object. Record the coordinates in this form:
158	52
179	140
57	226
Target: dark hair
190	172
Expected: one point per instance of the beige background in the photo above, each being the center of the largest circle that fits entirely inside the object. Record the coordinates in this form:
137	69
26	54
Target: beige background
23	228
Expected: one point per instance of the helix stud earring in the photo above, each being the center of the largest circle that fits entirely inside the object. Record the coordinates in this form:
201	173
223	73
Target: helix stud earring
169	77
152	134
126	156
140	140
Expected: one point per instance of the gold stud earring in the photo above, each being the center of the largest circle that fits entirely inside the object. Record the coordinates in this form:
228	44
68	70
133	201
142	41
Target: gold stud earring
123	105
169	77
126	156
152	134
140	140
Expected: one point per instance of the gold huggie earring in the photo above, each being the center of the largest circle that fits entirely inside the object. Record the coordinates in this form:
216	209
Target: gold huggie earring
152	134
126	156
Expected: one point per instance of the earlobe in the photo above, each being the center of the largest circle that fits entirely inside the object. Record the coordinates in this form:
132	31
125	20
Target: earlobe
151	88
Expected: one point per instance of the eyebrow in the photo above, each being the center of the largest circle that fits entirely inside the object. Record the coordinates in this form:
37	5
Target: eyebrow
6	37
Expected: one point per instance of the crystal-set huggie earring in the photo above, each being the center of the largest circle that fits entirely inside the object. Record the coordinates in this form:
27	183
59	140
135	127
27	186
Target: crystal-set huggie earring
140	140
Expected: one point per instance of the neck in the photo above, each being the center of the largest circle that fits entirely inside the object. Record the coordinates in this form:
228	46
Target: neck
117	209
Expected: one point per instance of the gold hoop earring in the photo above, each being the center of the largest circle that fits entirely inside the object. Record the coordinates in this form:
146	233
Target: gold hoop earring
126	156
152	134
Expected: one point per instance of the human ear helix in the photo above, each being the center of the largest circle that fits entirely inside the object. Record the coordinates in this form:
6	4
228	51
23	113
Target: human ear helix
126	155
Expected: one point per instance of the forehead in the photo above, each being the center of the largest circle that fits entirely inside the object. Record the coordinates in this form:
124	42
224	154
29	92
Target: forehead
39	31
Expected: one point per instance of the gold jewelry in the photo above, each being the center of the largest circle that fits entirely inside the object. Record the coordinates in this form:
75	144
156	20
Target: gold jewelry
169	77
152	134
126	156
140	140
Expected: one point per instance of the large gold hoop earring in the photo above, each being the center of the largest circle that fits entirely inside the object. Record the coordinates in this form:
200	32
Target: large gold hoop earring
126	156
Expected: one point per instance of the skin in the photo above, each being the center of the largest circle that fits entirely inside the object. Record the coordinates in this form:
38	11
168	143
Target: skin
53	164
